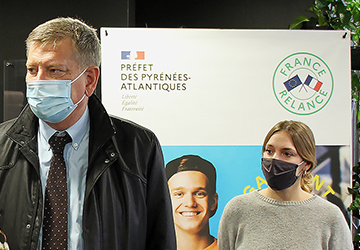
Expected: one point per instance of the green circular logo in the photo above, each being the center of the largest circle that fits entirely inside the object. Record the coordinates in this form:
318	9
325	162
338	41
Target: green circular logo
303	83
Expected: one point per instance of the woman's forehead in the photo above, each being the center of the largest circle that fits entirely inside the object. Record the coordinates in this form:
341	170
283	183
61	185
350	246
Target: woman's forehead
281	139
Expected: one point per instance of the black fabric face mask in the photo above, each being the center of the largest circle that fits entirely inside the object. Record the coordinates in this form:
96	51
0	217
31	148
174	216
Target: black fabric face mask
279	174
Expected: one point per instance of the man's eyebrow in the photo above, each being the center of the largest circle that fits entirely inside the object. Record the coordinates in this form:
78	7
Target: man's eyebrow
54	64
196	188
29	64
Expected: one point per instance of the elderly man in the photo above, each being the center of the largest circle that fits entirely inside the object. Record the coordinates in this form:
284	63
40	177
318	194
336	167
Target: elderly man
71	177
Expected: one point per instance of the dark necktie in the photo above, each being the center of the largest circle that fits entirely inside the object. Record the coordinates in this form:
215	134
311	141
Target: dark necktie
55	224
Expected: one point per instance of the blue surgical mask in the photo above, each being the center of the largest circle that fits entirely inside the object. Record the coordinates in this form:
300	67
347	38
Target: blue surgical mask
50	100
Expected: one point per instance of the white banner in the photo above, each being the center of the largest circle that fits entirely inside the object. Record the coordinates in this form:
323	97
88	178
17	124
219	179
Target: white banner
226	87
216	93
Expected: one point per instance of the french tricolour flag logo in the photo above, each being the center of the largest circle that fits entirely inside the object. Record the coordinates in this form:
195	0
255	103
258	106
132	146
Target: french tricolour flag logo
126	55
313	83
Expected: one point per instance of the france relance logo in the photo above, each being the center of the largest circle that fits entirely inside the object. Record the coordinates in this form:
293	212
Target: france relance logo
303	83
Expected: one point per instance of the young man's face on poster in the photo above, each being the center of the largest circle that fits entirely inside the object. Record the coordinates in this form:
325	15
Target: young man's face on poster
192	203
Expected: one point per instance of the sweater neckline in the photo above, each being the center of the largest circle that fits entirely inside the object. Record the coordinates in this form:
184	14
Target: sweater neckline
283	203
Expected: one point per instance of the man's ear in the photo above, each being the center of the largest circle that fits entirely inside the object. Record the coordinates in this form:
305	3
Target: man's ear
214	202
92	77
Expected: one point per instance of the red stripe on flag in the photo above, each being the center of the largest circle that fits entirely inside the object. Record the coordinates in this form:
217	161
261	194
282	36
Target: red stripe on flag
140	55
317	86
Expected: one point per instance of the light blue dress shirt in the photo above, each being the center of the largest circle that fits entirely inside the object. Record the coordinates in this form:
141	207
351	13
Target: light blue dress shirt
76	160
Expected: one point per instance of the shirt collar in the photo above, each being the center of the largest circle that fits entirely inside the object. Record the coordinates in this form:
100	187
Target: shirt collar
76	131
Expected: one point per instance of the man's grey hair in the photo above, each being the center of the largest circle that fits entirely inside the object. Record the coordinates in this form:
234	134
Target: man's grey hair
84	37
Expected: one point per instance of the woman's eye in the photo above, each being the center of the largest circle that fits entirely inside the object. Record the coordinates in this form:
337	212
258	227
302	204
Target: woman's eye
268	151
288	154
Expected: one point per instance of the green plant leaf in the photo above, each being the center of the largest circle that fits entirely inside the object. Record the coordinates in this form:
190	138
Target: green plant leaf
311	10
298	22
355	205
355	82
322	20
357	238
321	4
351	191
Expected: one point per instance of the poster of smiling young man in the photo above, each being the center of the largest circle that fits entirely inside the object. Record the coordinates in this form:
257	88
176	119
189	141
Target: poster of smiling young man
215	94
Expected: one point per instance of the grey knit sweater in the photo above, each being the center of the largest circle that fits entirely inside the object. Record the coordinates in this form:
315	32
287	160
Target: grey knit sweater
253	221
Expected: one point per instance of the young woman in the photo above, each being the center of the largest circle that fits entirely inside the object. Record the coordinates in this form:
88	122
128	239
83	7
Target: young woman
285	215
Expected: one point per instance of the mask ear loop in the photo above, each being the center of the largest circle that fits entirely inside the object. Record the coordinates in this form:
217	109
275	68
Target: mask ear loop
298	165
82	98
78	76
